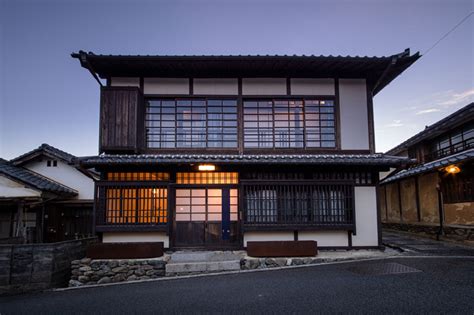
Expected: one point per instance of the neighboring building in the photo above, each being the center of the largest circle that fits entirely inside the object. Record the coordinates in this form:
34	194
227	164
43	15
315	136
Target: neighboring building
439	190
44	197
216	151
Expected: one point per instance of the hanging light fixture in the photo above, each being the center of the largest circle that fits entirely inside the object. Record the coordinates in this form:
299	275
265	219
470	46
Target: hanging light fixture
452	169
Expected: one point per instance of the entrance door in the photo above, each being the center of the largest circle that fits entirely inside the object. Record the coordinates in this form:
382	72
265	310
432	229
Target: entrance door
206	217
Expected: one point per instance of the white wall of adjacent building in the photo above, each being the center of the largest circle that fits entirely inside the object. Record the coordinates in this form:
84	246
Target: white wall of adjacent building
13	189
65	174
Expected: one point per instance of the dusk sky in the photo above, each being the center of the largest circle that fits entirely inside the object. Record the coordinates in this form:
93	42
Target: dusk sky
46	97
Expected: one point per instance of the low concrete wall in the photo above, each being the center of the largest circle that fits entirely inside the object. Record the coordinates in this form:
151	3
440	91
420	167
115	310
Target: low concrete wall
101	271
32	267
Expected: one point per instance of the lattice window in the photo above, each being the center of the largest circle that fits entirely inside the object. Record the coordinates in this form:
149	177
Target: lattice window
207	178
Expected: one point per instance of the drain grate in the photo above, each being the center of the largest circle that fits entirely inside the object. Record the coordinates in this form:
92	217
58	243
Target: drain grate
382	269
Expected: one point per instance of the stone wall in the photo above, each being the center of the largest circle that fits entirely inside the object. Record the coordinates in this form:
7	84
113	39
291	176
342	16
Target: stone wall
102	271
458	233
32	267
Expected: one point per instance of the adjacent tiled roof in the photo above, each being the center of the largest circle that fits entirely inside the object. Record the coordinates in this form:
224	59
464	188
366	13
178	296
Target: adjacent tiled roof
34	180
313	159
457	118
379	71
44	149
431	166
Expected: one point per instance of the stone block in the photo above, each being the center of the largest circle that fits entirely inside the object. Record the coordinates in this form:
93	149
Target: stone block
104	280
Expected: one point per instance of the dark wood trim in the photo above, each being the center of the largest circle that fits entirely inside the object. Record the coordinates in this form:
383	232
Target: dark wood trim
417	198
296	227
142	84
349	239
240	115
386	202
288	86
370	119
108	82
282	248
295	235
132	228
191	86
337	109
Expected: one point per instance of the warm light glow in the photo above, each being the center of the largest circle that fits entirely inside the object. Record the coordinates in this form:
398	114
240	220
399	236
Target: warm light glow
207	167
453	169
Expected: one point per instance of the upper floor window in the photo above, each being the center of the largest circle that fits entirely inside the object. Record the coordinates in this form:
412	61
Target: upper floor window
289	124
196	123
457	141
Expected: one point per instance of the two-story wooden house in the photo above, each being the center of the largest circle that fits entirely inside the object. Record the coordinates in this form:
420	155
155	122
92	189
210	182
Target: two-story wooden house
439	189
216	151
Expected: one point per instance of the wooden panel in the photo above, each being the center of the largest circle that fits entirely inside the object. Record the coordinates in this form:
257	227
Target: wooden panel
125	250
121	119
282	248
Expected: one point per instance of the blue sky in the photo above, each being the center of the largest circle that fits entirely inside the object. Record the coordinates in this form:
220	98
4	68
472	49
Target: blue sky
45	96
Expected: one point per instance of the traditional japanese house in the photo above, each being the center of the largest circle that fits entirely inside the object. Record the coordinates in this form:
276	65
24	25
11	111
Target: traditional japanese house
45	197
217	151
437	193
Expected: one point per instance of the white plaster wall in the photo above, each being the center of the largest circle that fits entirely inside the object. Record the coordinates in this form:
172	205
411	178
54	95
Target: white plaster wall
128	237
312	86
165	86
325	238
267	236
366	217
264	86
124	81
10	189
353	113
67	175
215	86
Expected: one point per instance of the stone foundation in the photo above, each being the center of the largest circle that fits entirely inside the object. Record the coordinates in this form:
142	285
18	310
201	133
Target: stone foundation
459	233
248	263
101	271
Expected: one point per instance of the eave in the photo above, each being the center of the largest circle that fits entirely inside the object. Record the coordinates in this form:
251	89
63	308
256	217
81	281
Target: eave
379	71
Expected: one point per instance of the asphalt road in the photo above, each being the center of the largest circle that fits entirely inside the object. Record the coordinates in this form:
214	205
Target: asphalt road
434	285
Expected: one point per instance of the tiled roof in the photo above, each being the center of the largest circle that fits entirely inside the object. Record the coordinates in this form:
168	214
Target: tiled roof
455	119
431	166
313	159
379	71
33	179
47	150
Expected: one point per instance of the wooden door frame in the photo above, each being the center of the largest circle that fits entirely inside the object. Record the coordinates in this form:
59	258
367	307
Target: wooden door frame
172	203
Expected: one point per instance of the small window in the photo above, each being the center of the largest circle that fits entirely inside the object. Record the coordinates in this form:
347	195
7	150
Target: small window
48	163
55	163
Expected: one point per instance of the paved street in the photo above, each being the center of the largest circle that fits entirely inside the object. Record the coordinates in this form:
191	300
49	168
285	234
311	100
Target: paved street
413	245
421	285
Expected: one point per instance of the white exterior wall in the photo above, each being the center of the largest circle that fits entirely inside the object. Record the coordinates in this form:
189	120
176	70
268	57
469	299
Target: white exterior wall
129	237
12	189
312	86
353	113
165	86
267	236
264	86
215	86
124	81
67	175
366	217
325	238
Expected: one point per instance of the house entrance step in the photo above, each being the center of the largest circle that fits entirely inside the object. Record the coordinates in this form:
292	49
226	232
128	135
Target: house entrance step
187	268
205	256
194	262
